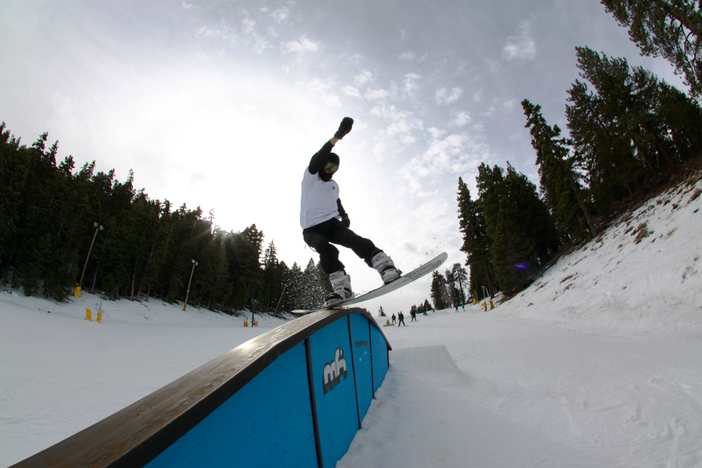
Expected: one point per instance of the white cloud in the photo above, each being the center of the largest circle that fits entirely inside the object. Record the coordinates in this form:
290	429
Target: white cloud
401	127
444	96
324	89
510	105
363	78
377	94
409	55
411	83
216	32
401	130
461	119
521	47
280	15
261	44
388	112
454	154
301	47
351	91
248	25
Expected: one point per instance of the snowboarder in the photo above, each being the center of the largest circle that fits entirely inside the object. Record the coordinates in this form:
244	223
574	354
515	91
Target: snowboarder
401	319
325	222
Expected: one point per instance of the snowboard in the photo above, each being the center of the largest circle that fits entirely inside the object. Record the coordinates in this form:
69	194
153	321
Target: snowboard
403	280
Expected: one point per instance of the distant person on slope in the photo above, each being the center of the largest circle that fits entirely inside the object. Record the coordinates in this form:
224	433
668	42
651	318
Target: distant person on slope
325	222
401	319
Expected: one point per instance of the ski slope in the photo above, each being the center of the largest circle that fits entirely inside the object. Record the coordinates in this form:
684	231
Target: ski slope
598	363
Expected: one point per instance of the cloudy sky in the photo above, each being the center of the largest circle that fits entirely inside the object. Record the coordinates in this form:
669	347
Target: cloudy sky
221	103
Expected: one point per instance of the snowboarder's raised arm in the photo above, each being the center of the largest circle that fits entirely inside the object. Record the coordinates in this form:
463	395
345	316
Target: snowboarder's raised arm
320	157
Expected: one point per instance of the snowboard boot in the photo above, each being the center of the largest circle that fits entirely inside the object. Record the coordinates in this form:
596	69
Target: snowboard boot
341	282
385	267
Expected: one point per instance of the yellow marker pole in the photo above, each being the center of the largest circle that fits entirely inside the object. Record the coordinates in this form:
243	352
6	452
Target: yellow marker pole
99	317
76	291
88	315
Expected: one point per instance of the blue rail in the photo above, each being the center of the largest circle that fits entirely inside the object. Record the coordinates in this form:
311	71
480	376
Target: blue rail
294	396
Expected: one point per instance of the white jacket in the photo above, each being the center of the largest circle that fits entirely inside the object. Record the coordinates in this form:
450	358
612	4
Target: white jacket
319	200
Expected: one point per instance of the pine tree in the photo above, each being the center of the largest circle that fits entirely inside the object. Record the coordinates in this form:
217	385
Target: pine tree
681	116
630	130
244	259
668	28
460	276
559	182
214	284
603	133
438	291
314	286
454	296
522	230
476	243
294	287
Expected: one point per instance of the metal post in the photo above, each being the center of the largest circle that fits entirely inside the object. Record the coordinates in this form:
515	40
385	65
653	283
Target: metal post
187	294
278	305
97	228
254	304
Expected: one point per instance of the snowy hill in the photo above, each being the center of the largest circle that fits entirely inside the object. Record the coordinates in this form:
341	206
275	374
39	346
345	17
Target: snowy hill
643	274
598	363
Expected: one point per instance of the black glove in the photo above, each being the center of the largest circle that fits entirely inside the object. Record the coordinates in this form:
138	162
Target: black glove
344	128
345	220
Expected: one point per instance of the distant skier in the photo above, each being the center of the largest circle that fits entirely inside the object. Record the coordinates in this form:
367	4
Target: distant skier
393	319
401	319
413	313
325	222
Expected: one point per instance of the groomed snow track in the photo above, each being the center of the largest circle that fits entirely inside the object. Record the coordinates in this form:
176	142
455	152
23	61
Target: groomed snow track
294	396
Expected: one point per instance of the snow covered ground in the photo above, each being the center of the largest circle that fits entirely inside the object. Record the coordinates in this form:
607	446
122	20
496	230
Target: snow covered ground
598	363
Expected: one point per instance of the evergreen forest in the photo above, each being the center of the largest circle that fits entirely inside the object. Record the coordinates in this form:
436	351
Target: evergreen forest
64	228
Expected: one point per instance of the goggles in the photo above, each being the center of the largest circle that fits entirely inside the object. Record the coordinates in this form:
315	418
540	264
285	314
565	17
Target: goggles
330	167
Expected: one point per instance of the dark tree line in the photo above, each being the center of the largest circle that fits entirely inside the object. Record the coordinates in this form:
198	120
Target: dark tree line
508	233
52	216
629	132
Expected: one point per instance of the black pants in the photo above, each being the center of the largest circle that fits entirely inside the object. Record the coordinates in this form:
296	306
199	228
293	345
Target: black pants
322	236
